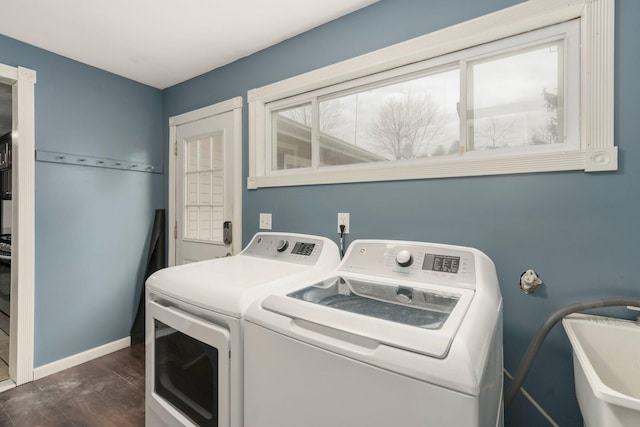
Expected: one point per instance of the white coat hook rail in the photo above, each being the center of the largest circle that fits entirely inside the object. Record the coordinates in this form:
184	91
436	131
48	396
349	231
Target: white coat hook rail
98	162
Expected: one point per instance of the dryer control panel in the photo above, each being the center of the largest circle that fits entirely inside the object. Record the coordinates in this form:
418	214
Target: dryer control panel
426	263
288	247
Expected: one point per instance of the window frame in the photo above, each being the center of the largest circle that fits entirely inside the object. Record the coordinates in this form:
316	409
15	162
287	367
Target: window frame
595	152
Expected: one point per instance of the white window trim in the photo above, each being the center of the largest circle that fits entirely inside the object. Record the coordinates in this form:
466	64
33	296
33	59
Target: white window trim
597	152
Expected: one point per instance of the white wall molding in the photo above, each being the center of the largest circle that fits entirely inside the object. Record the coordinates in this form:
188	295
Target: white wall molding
598	57
208	111
80	358
438	168
8	74
21	340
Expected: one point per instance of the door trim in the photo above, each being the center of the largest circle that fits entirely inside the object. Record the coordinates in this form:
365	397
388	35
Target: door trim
235	105
21	339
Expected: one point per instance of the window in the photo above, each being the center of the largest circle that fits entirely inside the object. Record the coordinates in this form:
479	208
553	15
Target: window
393	120
516	100
512	104
204	188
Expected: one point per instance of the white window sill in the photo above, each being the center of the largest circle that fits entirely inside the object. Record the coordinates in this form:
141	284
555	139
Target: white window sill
588	161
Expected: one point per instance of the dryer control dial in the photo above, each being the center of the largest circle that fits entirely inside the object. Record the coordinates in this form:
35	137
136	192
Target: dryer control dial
404	258
282	245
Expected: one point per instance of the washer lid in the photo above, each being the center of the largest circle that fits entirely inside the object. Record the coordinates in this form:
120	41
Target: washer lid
419	319
225	285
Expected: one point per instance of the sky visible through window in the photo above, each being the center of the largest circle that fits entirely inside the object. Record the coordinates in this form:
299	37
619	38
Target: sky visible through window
515	99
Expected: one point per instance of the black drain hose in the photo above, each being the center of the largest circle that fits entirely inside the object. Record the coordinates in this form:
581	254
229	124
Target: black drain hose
555	317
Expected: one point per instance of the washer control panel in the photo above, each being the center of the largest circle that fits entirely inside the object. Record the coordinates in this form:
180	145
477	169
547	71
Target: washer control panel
285	247
422	262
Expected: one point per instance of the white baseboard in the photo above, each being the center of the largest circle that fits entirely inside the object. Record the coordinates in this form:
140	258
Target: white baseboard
80	358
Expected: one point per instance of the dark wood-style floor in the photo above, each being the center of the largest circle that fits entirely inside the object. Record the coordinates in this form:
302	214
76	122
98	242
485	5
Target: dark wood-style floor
105	392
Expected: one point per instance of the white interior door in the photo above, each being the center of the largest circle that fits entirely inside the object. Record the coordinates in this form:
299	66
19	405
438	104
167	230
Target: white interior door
204	188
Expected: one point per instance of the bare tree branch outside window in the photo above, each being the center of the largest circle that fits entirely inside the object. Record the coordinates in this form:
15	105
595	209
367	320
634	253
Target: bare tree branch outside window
548	134
406	126
331	115
497	133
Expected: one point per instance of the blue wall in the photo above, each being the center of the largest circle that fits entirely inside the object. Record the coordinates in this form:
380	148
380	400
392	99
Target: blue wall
92	225
577	230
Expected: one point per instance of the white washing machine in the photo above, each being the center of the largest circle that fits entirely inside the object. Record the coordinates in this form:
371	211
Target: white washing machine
400	334
194	345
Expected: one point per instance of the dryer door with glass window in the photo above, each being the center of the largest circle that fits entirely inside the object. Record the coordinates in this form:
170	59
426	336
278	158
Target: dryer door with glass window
191	366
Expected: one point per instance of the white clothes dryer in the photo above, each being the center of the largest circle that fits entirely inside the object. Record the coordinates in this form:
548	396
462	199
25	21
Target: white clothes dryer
194	325
399	334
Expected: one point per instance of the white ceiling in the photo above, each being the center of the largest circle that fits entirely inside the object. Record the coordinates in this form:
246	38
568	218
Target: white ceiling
163	42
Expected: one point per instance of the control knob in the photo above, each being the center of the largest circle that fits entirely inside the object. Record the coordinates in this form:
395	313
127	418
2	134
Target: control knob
404	295
282	245
404	258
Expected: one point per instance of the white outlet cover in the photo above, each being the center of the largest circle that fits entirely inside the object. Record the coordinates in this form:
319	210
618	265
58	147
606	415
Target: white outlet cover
265	221
343	218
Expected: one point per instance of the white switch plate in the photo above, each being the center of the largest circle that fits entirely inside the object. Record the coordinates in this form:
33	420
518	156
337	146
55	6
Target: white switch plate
265	221
343	219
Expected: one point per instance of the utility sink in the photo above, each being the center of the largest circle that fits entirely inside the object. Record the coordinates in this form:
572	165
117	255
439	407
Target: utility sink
606	364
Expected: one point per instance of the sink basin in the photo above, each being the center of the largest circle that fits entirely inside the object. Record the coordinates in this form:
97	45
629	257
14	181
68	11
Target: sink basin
606	364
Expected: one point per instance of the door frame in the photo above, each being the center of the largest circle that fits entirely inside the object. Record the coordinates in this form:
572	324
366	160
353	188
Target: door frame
21	336
234	105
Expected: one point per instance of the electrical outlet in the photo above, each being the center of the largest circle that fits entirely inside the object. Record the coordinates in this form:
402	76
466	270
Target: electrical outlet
265	221
343	219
